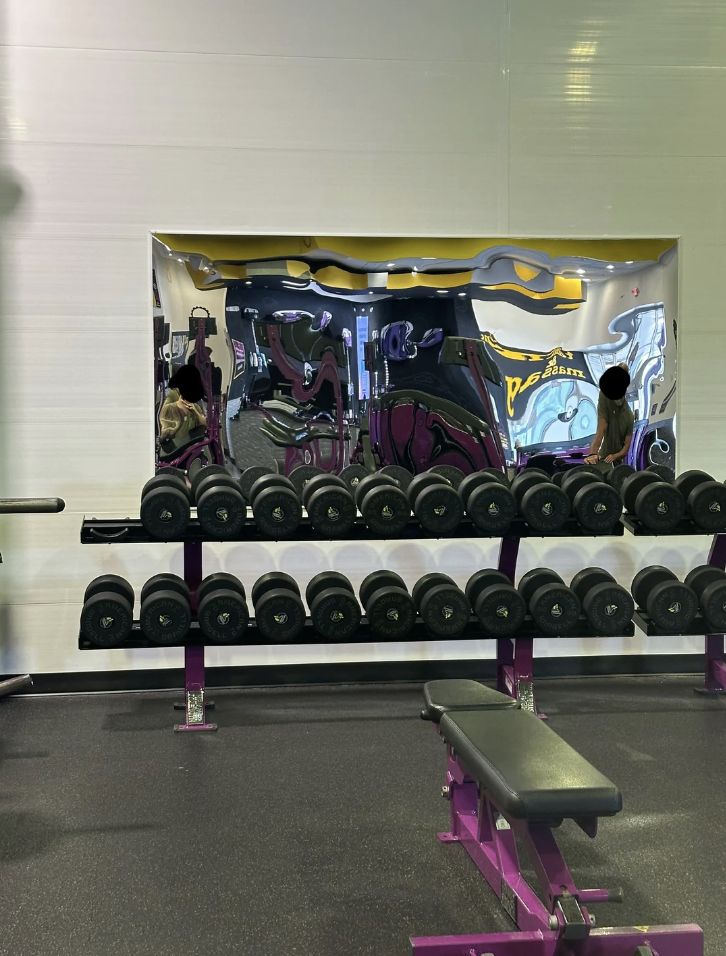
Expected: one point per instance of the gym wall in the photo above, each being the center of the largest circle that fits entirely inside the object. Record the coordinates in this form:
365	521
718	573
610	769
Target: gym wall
473	117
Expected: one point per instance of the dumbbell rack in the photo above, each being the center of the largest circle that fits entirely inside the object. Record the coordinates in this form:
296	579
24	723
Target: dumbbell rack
714	683
514	655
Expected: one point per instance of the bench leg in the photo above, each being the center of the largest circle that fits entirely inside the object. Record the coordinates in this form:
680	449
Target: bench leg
496	944
686	940
461	791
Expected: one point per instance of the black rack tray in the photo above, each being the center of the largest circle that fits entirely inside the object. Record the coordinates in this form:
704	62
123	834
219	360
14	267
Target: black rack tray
698	628
636	527
131	531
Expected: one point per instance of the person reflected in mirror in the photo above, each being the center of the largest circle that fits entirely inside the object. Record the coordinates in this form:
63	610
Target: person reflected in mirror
181	412
615	420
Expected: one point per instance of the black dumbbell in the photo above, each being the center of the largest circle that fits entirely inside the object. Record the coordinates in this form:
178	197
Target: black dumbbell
275	506
301	475
165	614
171	470
443	606
222	608
108	611
453	475
617	475
383	504
663	471
705	500
221	507
352	475
165	507
436	503
488	502
388	606
249	477
608	606
402	476
559	476
543	505
671	605
330	505
658	504
555	608
498	605
279	610
334	608
709	586
205	471
497	473
597	506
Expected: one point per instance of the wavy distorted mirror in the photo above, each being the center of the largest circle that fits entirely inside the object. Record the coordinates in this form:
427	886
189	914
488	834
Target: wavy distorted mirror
278	351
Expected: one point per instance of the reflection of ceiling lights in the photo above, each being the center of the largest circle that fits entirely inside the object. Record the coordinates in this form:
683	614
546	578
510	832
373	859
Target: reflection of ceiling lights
248	282
441	291
584	50
462	295
581	272
611	267
391	265
629	262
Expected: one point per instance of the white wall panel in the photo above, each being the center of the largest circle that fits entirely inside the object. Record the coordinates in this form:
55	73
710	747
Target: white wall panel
426	29
122	192
617	195
607	32
302	104
81	283
702	297
633	110
92	466
60	374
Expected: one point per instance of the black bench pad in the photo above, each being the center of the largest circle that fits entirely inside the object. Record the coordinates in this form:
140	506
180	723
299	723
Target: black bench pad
530	772
441	696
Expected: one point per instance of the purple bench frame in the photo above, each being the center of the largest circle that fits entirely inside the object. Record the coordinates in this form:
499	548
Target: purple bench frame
544	928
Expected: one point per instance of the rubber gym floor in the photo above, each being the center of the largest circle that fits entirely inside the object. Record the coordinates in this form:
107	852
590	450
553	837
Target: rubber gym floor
307	824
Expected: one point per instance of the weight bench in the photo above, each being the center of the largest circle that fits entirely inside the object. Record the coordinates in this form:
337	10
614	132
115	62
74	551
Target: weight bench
510	776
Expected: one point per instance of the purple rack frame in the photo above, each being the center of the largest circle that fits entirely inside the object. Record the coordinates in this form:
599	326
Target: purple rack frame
715	675
559	923
194	689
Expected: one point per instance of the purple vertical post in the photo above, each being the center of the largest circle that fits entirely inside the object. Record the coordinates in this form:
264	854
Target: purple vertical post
194	655
511	657
715	669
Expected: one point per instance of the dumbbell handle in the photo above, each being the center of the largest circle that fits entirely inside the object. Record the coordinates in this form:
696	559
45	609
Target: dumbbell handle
31	506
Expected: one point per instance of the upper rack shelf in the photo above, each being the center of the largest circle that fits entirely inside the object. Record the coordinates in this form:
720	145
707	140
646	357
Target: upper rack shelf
131	531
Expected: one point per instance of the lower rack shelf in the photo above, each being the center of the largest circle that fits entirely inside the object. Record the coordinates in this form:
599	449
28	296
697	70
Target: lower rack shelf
363	635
